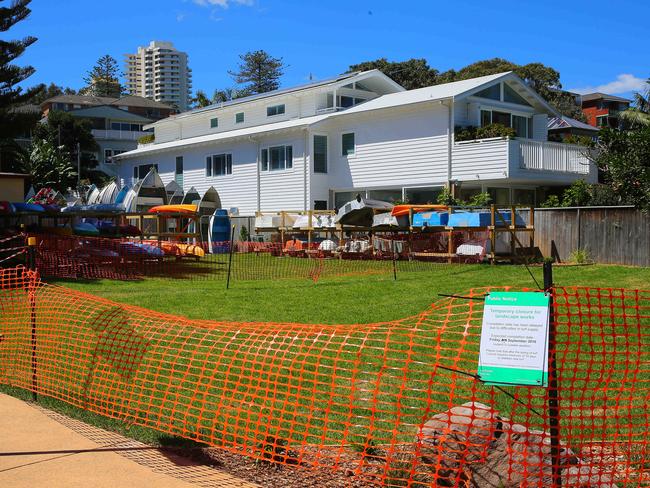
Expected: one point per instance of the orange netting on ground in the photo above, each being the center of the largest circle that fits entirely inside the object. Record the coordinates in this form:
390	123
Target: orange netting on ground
394	403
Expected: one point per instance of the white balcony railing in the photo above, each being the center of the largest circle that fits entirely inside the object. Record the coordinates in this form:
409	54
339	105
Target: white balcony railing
125	135
552	156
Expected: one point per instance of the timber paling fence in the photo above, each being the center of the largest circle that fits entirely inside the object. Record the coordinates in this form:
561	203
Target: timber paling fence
391	404
76	257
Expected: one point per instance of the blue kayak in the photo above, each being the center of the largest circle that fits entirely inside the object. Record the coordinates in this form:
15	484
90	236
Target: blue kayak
27	207
85	229
141	249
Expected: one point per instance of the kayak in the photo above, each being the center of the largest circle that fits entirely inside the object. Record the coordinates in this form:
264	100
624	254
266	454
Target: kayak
85	229
189	209
406	209
28	207
141	249
179	249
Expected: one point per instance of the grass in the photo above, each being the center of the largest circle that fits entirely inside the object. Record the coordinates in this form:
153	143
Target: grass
341	299
361	384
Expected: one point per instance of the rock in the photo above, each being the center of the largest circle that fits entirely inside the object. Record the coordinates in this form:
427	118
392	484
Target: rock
473	444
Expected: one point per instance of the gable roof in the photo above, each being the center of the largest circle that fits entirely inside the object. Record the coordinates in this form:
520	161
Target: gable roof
353	76
598	95
564	122
446	91
127	100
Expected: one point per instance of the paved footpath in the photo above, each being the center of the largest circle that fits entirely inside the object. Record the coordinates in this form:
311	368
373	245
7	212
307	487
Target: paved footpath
26	427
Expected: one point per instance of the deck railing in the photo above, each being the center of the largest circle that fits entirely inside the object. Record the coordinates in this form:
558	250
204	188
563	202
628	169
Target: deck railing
552	156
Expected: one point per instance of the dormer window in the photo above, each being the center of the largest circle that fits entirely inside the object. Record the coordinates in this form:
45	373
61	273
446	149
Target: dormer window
274	110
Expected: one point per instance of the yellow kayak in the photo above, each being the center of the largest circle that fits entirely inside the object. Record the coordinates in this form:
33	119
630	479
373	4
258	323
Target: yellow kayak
183	209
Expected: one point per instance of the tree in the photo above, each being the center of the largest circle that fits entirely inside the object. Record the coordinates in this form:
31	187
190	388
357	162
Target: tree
639	114
411	74
103	79
200	99
49	165
14	123
624	160
416	73
48	91
259	72
62	129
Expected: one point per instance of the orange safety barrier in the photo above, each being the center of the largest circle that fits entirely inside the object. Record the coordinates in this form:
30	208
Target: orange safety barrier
86	257
391	404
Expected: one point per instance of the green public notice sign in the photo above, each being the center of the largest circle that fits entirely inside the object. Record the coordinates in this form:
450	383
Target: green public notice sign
514	339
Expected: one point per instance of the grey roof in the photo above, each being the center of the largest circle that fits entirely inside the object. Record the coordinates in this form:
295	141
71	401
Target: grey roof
127	100
564	122
109	112
598	95
273	93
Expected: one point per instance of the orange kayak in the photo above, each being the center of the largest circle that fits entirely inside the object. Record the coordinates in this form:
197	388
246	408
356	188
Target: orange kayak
184	209
399	210
180	249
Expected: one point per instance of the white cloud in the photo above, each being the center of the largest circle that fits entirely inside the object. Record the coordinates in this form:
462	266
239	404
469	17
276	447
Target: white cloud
624	83
224	3
180	17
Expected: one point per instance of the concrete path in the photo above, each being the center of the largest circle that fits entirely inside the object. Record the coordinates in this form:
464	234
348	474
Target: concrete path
25	427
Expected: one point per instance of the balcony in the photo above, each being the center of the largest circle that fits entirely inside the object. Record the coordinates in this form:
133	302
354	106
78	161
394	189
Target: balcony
122	135
521	159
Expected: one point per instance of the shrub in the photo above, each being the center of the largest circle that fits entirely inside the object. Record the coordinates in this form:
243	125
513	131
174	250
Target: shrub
495	130
147	139
580	256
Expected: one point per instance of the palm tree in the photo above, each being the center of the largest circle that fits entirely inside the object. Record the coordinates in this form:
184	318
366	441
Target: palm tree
200	99
640	113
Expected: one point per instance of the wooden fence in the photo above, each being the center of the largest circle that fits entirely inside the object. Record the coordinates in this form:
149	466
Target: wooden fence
611	235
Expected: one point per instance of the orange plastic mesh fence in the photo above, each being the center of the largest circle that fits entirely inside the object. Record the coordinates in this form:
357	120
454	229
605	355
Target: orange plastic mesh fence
393	403
122	259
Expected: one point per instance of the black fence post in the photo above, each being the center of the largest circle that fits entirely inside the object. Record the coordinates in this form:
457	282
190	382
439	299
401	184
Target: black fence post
31	265
394	259
553	393
232	238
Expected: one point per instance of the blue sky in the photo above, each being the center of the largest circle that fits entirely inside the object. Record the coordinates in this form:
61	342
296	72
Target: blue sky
594	44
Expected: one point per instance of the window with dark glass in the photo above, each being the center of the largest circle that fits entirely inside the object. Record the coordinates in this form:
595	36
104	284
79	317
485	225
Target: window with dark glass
320	154
274	110
520	125
320	204
347	144
208	166
214	122
179	165
239	117
502	118
492	92
511	96
277	158
139	172
486	117
221	164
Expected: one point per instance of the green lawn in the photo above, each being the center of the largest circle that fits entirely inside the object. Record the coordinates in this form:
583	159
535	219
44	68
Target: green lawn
342	299
313	384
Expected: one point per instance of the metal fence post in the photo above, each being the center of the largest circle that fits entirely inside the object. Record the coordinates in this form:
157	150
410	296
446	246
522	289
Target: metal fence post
31	264
553	393
394	259
232	238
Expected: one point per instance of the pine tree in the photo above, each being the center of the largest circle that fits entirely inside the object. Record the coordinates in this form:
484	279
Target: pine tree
259	72
13	123
103	80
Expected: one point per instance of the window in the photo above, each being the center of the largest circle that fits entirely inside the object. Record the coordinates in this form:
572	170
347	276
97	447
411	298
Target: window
320	154
320	204
486	117
179	165
492	92
511	96
218	165
141	171
520	125
115	125
346	102
277	158
239	118
274	110
214	123
502	118
601	121
108	153
347	144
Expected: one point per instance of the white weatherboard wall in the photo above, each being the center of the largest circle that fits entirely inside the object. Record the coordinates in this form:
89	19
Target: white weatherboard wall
279	189
484	159
393	147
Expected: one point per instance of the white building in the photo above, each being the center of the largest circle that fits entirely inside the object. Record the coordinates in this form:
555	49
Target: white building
160	72
316	146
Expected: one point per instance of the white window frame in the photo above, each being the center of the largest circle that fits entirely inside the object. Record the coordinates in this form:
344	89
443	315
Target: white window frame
268	160
212	166
492	108
284	110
